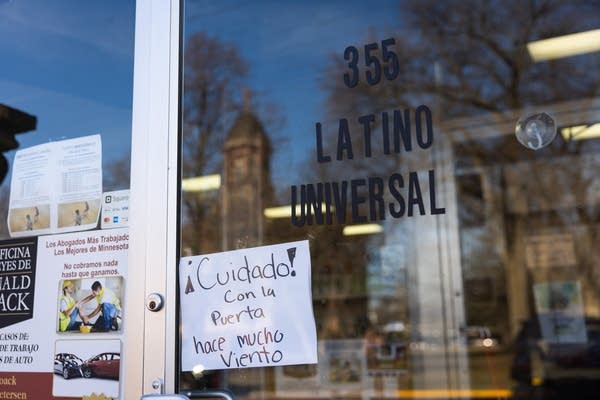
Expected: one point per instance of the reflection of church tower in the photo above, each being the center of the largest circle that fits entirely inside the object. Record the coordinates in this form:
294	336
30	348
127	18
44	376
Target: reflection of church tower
246	183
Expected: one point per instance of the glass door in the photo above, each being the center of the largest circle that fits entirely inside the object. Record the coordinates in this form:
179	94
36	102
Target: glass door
66	101
388	199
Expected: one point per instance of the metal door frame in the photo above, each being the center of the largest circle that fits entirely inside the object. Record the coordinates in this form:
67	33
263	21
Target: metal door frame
150	337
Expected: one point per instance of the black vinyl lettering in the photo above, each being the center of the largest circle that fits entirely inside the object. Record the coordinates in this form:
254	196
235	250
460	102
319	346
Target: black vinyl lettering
327	191
366	121
414	194
340	197
402	131
432	203
314	201
344	141
396	179
319	137
357	200
298	221
385	132
426	142
376	204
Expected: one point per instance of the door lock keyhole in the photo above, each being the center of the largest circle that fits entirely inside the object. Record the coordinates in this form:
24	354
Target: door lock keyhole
154	302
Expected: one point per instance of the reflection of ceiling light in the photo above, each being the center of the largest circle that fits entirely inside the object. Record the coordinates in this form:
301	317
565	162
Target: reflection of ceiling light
366	229
565	46
286	211
396	326
201	183
581	132
198	370
281	211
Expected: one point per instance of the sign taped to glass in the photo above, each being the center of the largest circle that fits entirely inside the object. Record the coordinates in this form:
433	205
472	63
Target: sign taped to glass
235	308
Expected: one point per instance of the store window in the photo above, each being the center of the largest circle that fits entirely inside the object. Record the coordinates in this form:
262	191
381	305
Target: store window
439	159
66	81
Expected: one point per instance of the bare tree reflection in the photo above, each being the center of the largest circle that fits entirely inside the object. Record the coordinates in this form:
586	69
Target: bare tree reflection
469	57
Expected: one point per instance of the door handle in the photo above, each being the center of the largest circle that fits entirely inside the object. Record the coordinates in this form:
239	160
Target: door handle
209	393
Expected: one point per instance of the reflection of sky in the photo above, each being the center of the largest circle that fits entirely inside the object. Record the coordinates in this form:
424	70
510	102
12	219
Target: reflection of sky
288	44
70	64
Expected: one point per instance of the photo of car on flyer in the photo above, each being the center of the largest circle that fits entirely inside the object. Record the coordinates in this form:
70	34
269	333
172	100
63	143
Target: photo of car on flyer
80	365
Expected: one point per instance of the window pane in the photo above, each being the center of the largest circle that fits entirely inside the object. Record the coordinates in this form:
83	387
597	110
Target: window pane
471	158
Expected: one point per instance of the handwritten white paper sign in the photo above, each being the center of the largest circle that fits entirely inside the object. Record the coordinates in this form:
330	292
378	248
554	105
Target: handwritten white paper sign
247	308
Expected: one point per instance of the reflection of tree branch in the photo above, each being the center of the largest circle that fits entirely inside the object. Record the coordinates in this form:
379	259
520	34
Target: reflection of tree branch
460	96
493	46
214	74
468	58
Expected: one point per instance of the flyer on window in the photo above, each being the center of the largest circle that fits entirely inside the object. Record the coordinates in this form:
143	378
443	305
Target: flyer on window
56	187
62	314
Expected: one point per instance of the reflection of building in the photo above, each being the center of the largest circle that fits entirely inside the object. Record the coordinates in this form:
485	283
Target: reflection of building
246	183
338	263
339	282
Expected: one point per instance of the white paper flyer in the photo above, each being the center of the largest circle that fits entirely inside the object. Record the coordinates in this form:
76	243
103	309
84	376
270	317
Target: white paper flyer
56	187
